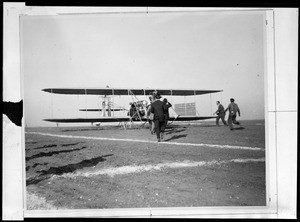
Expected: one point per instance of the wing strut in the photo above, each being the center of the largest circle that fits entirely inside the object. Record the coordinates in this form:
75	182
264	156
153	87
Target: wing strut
175	117
85	104
210	103
113	102
51	104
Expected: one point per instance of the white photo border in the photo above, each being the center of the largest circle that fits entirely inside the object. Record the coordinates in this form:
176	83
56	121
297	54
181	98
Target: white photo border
281	200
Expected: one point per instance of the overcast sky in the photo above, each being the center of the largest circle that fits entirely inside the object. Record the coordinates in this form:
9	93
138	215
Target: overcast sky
195	50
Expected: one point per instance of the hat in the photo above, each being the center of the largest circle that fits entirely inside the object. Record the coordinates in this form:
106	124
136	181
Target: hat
157	95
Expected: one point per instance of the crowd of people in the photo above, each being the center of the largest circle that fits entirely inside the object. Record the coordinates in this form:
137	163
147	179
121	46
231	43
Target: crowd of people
157	113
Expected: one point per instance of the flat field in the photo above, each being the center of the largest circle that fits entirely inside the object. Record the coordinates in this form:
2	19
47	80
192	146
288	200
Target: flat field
109	167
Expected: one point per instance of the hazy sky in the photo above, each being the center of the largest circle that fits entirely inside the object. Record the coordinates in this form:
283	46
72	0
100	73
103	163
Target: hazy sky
195	50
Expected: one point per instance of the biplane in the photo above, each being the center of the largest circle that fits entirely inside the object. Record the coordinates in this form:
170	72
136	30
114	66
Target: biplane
137	110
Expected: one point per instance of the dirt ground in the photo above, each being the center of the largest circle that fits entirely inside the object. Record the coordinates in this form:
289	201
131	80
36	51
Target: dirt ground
109	167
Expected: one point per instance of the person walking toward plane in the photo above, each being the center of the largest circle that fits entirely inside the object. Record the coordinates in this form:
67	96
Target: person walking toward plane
167	105
157	108
150	117
221	114
233	109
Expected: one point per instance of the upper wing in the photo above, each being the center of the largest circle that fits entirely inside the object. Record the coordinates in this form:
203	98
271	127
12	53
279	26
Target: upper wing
123	91
93	110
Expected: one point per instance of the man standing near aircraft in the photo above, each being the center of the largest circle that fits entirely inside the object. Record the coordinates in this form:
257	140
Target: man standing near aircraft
150	119
157	108
233	109
221	114
167	105
132	111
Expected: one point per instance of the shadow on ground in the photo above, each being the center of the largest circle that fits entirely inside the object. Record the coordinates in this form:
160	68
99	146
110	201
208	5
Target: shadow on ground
175	137
45	146
174	130
43	154
39	164
46	174
71	144
239	128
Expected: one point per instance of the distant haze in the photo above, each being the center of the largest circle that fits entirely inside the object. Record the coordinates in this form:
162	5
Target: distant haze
196	50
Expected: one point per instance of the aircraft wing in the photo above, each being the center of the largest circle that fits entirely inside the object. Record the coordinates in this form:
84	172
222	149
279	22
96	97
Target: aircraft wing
190	118
93	120
124	91
93	110
124	119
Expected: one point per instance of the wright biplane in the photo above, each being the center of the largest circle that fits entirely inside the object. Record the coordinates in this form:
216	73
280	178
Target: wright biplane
137	110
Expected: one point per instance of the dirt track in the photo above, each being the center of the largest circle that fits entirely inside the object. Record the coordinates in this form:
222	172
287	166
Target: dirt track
79	172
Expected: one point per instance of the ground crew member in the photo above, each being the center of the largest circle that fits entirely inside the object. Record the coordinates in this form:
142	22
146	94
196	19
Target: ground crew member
157	108
151	123
167	105
233	109
221	114
133	111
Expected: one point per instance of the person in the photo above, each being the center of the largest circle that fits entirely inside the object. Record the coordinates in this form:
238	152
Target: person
233	109
157	108
103	108
132	111
167	105
221	114
151	123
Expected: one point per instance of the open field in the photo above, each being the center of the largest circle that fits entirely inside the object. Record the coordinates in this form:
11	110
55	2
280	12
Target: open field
109	167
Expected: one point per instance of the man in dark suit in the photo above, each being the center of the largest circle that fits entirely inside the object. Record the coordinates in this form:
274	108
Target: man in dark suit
157	108
221	114
167	105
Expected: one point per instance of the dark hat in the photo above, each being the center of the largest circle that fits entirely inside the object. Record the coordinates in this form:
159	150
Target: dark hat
157	96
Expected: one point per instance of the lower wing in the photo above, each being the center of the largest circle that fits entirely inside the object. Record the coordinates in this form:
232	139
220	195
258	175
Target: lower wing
94	120
190	118
125	119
